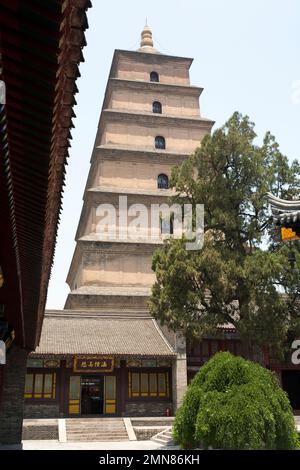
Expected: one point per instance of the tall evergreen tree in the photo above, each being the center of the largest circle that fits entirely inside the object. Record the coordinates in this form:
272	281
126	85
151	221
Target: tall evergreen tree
241	276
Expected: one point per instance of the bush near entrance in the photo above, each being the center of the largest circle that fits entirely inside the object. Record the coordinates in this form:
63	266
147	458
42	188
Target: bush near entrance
233	403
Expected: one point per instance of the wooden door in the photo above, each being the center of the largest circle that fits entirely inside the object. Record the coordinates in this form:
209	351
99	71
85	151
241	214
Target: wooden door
110	394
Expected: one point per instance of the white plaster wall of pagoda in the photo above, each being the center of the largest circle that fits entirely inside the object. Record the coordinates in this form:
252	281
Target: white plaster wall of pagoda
124	174
173	104
78	280
143	136
119	270
176	73
100	227
159	162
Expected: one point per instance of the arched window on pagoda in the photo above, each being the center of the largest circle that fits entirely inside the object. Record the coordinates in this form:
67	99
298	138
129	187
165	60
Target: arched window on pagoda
160	142
162	181
156	107
154	77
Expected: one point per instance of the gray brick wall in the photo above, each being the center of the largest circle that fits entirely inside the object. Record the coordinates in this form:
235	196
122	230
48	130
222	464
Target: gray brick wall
11	414
35	431
147	408
41	410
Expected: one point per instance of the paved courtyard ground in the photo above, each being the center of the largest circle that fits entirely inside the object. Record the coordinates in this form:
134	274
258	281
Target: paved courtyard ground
124	445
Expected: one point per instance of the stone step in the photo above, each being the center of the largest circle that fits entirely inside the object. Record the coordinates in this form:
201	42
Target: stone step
92	420
164	437
100	428
96	434
160	440
95	431
95	420
96	425
100	431
112	423
105	435
74	434
97	439
90	429
78	433
87	427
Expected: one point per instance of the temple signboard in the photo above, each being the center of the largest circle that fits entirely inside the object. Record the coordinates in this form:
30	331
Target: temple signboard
289	234
93	364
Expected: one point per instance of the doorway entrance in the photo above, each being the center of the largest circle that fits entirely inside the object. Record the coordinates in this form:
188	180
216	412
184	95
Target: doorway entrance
92	395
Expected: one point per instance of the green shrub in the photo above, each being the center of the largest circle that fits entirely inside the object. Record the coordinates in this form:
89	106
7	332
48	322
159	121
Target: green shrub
233	403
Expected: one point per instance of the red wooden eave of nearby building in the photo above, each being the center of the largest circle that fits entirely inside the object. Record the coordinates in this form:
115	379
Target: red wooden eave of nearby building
41	48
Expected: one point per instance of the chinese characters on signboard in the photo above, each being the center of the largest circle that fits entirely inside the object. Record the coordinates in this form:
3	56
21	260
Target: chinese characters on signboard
93	364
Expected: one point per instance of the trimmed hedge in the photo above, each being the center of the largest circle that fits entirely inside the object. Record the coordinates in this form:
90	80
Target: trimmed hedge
233	403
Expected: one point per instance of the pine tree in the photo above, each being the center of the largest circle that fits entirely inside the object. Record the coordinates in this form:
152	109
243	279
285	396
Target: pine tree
240	276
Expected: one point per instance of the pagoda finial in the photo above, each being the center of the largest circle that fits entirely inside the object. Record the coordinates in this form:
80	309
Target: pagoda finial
146	41
146	37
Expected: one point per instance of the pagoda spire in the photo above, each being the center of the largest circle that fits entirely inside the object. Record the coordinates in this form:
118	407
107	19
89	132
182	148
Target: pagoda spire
146	44
146	36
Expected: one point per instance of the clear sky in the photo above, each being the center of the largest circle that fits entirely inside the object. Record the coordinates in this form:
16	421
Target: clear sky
246	56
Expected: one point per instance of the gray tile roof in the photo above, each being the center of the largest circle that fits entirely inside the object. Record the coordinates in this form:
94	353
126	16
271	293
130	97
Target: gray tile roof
284	211
284	205
282	218
84	333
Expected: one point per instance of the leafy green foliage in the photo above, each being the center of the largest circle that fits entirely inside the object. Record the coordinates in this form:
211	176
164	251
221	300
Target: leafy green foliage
232	279
233	403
